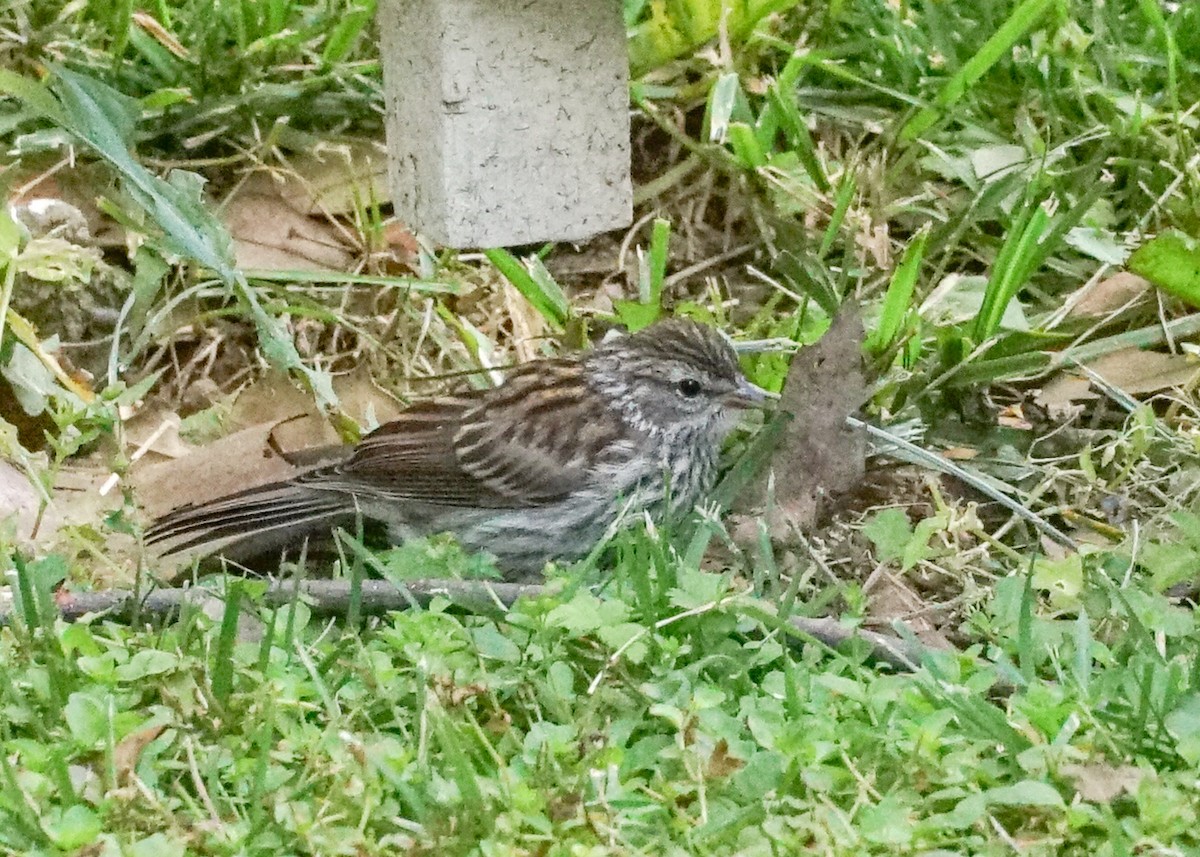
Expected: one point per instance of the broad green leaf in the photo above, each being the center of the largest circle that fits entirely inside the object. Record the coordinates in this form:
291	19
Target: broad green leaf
492	644
1172	262
697	589
1184	725
32	382
86	715
585	613
561	680
76	827
147	663
888	822
890	531
1024	793
635	315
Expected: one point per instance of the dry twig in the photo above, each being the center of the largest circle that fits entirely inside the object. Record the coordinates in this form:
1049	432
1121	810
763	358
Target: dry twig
330	598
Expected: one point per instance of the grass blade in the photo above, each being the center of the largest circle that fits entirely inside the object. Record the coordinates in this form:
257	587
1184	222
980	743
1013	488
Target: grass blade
534	282
660	238
222	668
1018	23
897	301
1013	265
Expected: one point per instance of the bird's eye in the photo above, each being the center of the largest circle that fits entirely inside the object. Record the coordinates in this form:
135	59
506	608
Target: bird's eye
689	387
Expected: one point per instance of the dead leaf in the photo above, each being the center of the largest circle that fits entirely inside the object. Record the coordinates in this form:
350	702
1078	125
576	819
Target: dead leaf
454	694
20	502
160	34
363	400
275	398
269	234
960	453
499	723
1132	370
874	240
277	430
401	240
338	178
721	763
75	499
155	430
819	455
241	460
1012	416
891	599
129	750
1102	783
1110	294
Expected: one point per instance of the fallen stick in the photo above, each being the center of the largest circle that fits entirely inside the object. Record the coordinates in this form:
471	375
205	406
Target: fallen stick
331	598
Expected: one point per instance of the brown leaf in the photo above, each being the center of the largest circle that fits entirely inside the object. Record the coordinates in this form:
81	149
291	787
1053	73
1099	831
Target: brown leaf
401	240
269	234
241	460
154	430
75	499
1110	294
365	401
819	455
160	34
1013	416
721	764
1103	783
960	453
129	750
277	430
20	502
892	599
1132	370
337	178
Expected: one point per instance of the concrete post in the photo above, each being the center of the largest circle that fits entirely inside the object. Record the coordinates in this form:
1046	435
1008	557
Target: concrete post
508	122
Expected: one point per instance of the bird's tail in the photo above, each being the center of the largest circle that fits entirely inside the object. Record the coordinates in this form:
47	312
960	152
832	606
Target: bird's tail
251	522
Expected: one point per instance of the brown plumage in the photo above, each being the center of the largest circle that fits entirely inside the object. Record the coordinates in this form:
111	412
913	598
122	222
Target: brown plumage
536	469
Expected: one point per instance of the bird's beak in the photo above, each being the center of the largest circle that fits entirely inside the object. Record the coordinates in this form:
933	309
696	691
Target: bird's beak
747	395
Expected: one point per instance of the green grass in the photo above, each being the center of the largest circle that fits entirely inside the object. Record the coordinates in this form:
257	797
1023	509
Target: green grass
584	722
962	171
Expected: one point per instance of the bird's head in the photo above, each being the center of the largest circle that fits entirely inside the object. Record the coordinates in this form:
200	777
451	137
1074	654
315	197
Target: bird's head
675	375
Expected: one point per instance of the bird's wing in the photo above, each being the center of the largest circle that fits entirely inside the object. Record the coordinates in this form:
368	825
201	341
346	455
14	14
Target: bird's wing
529	442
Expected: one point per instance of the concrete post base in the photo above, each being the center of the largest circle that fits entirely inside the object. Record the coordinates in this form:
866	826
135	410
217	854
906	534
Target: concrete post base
508	122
